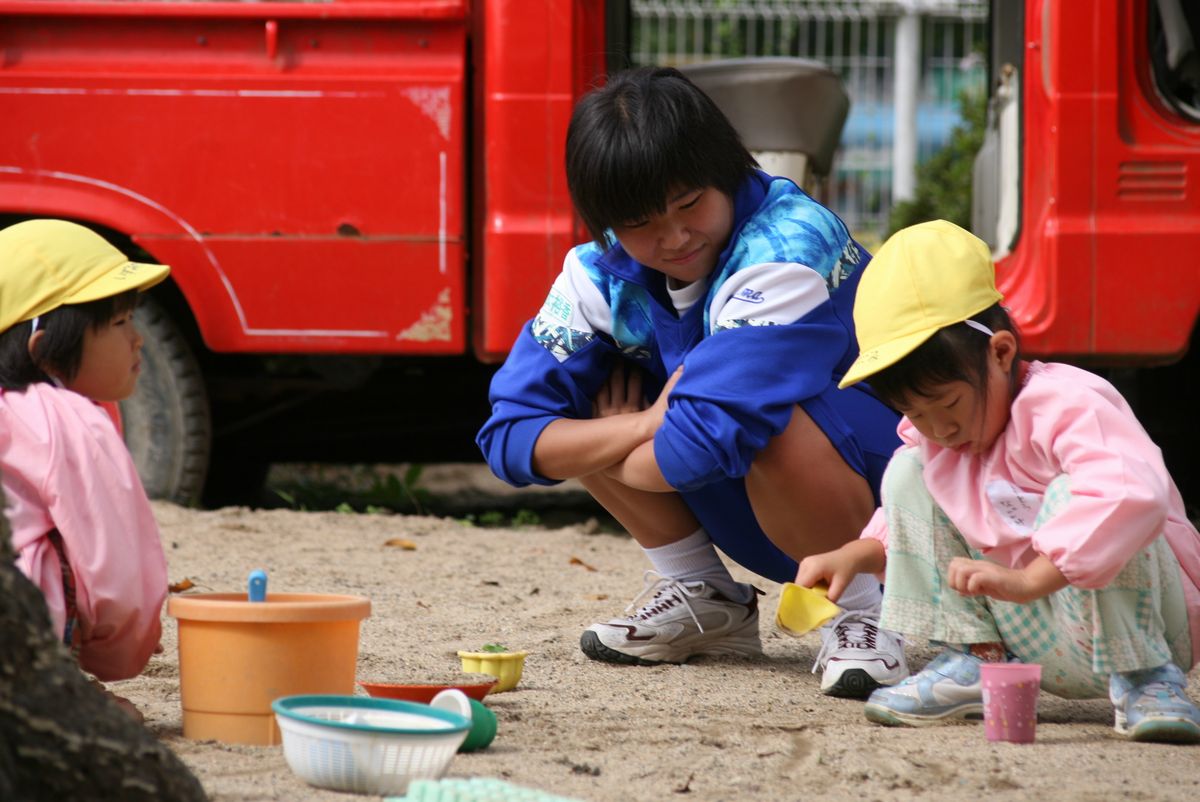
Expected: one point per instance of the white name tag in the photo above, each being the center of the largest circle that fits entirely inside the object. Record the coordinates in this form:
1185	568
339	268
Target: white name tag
1017	507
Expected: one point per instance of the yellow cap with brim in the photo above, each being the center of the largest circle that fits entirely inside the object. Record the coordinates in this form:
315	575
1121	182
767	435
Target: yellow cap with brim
924	278
45	264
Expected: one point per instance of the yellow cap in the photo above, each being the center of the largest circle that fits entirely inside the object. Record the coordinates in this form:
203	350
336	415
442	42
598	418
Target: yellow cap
45	264
924	278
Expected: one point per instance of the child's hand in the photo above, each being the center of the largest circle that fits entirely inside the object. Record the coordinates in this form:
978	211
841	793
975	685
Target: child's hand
982	578
838	567
833	568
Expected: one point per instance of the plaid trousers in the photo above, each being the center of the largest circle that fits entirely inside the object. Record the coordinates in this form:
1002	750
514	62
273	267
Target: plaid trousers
1079	636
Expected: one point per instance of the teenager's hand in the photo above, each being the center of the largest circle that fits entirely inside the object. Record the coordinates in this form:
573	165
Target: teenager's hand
621	393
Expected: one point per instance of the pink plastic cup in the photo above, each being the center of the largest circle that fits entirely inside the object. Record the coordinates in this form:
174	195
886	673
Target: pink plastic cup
1010	695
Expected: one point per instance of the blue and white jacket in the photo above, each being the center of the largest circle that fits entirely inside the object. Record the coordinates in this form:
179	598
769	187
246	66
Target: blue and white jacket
774	329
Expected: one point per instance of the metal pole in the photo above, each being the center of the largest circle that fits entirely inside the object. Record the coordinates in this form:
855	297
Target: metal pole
905	90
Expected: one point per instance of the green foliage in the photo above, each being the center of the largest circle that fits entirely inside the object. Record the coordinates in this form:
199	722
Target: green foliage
351	491
494	648
526	518
944	181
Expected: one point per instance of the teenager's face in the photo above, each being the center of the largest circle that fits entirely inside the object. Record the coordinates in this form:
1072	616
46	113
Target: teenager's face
684	241
963	417
111	361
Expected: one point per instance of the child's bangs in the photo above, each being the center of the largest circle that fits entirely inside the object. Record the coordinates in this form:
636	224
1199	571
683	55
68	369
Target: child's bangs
101	312
930	366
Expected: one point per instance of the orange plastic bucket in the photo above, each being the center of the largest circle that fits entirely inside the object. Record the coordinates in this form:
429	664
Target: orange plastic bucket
238	656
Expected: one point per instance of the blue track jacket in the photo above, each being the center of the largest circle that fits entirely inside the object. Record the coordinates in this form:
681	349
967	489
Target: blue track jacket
774	330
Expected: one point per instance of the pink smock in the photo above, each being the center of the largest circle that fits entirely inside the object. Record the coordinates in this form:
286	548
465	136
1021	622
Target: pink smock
1063	421
63	466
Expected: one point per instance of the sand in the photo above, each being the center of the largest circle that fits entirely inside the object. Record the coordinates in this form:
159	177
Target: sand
714	729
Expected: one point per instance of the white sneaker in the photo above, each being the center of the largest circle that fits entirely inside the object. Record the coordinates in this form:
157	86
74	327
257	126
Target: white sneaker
857	656
681	620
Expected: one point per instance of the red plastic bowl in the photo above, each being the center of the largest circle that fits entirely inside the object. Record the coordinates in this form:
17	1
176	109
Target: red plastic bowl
424	692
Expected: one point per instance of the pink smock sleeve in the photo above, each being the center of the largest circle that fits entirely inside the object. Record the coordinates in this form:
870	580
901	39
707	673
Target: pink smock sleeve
877	528
96	501
1119	484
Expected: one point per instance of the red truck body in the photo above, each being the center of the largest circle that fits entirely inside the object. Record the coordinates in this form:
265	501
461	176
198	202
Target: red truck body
1106	265
358	186
313	172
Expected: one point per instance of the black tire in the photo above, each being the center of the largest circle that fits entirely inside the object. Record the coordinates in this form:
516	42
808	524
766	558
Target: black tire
168	428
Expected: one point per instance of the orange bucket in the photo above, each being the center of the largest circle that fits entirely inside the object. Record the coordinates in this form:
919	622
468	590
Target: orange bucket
238	656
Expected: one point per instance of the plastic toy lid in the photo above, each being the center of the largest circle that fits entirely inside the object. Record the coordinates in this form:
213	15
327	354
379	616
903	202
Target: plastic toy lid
368	714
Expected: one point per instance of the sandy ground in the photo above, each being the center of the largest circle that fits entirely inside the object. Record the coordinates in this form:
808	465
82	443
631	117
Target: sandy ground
710	730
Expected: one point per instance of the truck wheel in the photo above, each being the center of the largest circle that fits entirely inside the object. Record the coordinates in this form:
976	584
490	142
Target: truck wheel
167	425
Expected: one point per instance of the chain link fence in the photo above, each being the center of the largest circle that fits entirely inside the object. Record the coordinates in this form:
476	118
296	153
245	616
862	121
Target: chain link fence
855	38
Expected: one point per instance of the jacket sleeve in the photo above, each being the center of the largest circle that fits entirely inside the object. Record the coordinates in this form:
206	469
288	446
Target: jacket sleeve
97	502
777	340
1119	484
555	367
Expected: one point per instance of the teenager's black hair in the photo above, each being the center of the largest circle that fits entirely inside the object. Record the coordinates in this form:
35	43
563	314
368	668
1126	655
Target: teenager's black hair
60	349
647	132
954	353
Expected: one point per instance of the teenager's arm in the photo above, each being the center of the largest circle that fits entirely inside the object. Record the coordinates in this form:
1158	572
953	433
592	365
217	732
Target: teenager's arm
777	342
544	425
623	424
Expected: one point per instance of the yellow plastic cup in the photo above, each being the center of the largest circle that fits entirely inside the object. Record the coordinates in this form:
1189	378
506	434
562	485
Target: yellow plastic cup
802	609
506	667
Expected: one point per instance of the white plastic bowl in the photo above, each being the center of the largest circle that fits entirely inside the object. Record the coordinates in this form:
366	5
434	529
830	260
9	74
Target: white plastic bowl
367	745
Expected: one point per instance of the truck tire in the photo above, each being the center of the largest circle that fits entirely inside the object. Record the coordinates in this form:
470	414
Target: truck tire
168	428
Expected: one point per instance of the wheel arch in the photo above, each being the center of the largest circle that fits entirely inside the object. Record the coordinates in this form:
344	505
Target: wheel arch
197	293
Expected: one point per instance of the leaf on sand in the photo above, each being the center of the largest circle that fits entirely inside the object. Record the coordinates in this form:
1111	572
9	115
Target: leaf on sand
401	543
577	561
181	585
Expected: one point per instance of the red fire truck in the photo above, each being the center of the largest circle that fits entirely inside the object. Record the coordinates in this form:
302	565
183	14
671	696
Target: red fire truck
361	201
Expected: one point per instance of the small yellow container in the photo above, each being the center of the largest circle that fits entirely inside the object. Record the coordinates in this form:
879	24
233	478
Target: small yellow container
238	656
506	667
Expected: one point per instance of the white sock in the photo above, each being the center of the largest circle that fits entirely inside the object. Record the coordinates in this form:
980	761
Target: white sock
695	559
862	594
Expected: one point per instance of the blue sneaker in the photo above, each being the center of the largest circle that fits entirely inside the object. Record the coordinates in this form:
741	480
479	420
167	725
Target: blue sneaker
1152	705
945	690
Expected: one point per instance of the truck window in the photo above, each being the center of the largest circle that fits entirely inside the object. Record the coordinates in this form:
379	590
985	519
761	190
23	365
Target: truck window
1174	29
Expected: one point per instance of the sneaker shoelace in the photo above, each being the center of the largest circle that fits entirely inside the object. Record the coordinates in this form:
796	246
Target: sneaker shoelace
851	629
1159	689
667	593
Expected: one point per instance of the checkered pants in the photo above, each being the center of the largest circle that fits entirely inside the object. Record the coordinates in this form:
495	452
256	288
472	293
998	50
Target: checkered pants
1079	636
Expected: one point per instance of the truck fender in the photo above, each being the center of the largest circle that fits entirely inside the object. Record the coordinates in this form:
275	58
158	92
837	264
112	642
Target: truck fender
166	236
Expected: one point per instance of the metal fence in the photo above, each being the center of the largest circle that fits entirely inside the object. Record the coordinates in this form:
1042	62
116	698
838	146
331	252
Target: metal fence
855	38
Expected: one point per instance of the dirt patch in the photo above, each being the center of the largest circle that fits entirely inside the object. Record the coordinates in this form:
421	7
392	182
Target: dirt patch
711	730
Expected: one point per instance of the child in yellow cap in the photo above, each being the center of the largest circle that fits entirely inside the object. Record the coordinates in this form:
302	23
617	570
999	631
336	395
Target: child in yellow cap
81	523
1027	515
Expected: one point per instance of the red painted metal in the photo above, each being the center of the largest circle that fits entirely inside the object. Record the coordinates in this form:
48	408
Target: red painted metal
535	64
1105	265
312	200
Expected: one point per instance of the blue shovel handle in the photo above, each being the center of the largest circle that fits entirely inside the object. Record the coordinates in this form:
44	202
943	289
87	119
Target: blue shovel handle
258	585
